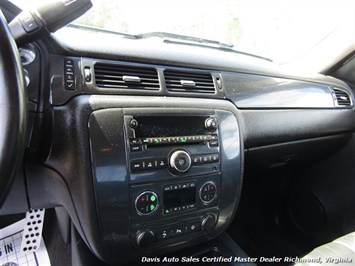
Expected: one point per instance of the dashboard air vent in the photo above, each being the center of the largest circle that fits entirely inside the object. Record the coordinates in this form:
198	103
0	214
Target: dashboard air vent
341	98
112	76
181	81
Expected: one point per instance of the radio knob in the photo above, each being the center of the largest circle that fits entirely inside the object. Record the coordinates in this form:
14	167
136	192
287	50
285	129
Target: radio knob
133	123
144	238
211	124
180	161
208	222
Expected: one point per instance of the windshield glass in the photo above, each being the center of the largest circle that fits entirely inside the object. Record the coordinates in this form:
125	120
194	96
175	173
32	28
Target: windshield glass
280	30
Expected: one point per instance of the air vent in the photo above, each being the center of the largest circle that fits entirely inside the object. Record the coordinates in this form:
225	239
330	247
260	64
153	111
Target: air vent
181	81
110	76
341	98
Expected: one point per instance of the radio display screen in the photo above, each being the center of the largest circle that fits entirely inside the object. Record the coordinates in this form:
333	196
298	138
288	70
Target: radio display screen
169	126
179	197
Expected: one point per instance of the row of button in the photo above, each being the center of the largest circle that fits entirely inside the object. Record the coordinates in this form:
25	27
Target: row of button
205	159
148	164
179	209
69	74
179	186
177	230
174	140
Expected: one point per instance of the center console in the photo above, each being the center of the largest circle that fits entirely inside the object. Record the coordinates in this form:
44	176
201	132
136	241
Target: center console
164	178
175	175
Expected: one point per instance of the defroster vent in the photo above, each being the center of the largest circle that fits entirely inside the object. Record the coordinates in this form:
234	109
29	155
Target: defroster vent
184	81
112	76
341	98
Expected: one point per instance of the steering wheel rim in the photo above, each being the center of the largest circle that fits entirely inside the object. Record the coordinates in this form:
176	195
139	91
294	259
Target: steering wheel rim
13	110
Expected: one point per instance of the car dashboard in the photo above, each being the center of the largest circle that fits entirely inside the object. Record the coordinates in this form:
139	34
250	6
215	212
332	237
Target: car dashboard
144	142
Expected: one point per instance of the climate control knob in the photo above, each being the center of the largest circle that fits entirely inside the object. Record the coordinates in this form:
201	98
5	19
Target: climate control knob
208	222
180	161
144	238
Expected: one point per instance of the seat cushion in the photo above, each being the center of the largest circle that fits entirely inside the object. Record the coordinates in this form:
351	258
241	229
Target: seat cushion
340	252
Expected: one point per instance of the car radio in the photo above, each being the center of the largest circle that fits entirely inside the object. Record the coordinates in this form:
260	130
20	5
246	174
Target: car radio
174	165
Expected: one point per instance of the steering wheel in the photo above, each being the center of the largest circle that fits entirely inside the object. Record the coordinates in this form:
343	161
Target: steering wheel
13	110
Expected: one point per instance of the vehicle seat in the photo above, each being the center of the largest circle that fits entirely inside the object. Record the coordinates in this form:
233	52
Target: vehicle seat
340	252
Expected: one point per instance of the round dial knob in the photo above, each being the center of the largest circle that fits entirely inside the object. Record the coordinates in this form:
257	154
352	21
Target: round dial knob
180	161
208	222
144	238
211	124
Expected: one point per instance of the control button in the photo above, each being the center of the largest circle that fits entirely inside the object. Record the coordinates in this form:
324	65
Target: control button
191	206
134	141
213	143
213	137
69	69
168	188
163	233
208	222
69	85
196	159
211	196
211	124
161	163
133	123
214	158
137	166
135	148
183	140
144	238
180	161
28	22
69	77
193	226
146	203
168	211
178	230
149	164
205	159
69	62
208	192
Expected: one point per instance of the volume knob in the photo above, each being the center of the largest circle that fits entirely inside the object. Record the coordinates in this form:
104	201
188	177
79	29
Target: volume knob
180	161
211	124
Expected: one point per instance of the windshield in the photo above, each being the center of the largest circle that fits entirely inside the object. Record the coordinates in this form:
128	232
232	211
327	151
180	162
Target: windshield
280	30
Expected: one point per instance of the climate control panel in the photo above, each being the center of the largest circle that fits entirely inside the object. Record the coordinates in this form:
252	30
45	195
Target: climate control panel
146	203
154	235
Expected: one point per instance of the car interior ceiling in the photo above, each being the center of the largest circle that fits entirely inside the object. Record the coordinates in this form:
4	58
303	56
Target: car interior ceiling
127	170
